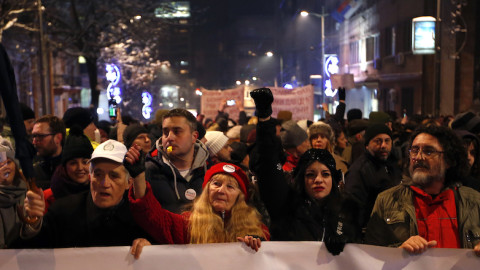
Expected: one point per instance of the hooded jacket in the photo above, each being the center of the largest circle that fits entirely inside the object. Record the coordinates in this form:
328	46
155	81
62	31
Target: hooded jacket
168	186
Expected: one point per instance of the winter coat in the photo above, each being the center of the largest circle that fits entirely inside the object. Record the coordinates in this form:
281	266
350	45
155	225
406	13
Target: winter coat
168	185
393	219
75	221
367	177
164	226
10	224
294	216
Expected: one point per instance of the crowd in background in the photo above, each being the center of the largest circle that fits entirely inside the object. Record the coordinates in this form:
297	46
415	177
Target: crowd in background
196	180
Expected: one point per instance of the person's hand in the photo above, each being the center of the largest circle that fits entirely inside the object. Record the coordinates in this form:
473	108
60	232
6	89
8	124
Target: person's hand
134	160
341	94
222	106
476	249
417	244
263	98
253	242
34	203
137	247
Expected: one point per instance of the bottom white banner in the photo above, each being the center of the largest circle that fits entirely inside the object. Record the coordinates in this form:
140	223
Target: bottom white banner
233	256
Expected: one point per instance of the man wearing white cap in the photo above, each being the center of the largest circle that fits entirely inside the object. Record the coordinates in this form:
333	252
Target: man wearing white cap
218	147
99	217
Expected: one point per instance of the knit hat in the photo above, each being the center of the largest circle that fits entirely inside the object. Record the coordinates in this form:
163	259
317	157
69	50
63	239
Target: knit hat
230	169
245	130
376	129
77	145
111	149
311	155
216	140
6	146
379	118
304	124
356	126
131	132
239	151
354	114
324	129
27	112
234	132
284	116
292	135
79	116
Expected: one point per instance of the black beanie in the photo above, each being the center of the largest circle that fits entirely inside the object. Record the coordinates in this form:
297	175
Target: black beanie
376	129
77	116
131	132
77	145
27	112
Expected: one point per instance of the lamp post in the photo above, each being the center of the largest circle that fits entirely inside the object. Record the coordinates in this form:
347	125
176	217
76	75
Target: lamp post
322	18
270	54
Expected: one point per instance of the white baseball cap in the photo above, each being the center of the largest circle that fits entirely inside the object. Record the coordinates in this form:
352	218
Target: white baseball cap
111	149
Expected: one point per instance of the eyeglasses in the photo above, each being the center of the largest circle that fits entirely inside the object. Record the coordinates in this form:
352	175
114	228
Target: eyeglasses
428	152
40	137
379	141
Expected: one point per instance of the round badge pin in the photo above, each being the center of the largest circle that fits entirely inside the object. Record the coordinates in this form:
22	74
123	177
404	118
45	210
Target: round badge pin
190	194
228	168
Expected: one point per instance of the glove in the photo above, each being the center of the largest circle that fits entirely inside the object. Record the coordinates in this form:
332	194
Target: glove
136	168
263	102
335	241
341	93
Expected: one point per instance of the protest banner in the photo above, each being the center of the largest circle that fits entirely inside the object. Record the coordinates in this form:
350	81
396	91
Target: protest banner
237	256
299	101
211	100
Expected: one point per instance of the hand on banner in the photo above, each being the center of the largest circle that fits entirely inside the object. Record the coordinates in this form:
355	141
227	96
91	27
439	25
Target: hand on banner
417	244
137	247
254	242
476	249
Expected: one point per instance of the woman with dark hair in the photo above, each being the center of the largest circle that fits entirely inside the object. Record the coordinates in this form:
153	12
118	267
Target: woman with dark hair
72	176
12	193
219	215
313	209
472	145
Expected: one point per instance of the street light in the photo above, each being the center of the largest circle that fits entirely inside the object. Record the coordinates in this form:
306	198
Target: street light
322	16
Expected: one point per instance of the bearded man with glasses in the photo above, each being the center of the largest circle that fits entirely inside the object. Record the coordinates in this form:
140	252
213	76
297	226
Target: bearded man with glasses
48	137
431	208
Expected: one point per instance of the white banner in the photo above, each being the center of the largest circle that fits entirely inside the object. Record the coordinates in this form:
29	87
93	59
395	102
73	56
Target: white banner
299	101
211	100
237	256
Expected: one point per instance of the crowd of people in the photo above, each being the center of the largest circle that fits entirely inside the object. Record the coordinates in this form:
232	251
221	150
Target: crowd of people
411	183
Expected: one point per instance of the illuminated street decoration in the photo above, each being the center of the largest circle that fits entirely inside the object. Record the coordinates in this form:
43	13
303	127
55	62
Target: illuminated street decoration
113	76
331	67
147	102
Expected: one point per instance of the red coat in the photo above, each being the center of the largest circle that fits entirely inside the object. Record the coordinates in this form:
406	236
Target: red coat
164	226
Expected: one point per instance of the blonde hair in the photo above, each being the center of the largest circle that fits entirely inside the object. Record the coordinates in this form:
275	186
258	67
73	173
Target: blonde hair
208	227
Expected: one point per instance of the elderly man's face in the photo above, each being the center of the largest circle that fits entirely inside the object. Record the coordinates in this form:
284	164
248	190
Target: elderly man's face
427	163
380	146
108	183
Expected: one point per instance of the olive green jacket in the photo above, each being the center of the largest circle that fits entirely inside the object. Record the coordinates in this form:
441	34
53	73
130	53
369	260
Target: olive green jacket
393	218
